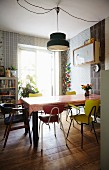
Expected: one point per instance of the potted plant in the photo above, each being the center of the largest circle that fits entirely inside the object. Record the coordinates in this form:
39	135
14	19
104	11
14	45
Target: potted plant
30	87
13	71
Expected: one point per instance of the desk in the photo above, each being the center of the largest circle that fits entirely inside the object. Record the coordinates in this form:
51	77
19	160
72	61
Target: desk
34	104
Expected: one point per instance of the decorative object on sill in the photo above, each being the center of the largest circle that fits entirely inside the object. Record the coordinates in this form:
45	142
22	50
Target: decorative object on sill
58	40
89	41
86	88
67	80
96	67
92	40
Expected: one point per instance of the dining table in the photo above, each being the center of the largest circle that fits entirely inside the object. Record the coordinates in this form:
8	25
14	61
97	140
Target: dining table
35	104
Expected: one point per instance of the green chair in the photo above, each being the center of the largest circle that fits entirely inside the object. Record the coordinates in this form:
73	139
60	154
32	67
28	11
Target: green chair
70	106
90	111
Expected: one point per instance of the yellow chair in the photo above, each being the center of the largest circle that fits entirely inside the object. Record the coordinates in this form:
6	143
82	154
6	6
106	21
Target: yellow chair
35	94
70	92
90	111
70	106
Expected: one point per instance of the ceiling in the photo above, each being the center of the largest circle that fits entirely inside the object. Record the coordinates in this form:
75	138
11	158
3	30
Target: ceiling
16	19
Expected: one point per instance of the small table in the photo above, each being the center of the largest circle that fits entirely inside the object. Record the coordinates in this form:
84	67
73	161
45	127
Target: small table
34	104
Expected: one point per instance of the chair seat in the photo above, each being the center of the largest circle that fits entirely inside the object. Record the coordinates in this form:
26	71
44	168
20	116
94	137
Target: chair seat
16	119
82	118
45	118
70	106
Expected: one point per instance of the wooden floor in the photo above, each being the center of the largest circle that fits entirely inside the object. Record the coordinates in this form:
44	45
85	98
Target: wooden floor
19	155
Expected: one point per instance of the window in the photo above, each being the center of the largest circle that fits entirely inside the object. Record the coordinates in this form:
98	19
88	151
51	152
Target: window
42	66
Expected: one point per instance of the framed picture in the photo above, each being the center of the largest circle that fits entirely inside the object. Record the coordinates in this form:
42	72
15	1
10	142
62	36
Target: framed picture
2	71
84	54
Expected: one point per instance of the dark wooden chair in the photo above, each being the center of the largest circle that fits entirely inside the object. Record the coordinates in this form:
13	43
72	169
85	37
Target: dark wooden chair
15	118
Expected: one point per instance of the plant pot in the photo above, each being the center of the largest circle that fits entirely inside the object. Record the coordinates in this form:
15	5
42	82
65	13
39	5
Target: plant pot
13	73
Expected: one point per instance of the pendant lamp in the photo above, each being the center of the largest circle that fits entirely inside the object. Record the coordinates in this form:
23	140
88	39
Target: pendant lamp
57	40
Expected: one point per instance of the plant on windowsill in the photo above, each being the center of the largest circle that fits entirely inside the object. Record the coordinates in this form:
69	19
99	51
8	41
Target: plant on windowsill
30	87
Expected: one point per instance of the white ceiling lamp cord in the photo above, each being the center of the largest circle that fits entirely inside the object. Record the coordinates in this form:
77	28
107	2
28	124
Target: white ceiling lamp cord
49	10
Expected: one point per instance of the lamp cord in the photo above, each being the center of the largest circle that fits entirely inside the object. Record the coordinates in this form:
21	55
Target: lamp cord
49	10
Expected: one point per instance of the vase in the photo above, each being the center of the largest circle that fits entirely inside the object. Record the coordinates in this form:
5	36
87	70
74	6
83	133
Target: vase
87	93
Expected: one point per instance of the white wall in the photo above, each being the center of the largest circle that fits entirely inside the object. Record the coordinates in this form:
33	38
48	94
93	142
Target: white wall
79	74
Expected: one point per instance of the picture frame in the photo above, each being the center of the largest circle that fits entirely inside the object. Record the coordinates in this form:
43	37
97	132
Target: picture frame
84	54
2	71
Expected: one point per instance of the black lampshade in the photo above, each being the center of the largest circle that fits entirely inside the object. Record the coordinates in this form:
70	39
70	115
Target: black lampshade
58	42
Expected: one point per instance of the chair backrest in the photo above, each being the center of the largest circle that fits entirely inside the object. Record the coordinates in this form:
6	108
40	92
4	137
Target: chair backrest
91	107
53	109
70	92
35	94
6	107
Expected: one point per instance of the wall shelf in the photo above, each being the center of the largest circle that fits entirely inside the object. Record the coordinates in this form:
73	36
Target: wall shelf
88	53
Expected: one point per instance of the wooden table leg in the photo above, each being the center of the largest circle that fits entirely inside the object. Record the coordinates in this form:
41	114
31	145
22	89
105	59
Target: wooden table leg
35	129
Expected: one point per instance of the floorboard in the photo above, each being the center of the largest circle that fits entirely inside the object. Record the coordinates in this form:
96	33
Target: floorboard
19	155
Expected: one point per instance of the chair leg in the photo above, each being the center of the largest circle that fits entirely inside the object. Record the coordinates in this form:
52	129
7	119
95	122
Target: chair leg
6	138
63	132
69	128
68	111
42	139
26	131
81	135
94	131
49	126
39	126
66	115
54	129
29	133
60	120
5	131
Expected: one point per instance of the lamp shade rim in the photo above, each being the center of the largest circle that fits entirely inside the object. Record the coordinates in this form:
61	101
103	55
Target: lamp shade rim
57	48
